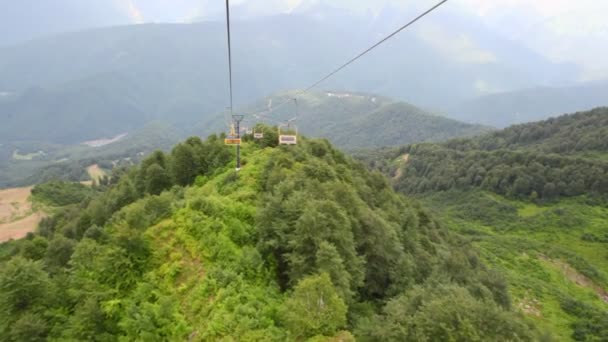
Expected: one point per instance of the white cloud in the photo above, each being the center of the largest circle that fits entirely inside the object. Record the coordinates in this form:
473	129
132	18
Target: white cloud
574	31
134	12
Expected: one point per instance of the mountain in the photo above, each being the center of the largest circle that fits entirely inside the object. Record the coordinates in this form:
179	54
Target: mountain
532	199
177	72
302	243
354	120
351	120
509	108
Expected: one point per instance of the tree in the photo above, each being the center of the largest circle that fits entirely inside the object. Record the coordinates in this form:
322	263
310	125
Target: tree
330	262
184	166
157	179
549	191
314	308
34	249
23	284
59	251
29	327
443	313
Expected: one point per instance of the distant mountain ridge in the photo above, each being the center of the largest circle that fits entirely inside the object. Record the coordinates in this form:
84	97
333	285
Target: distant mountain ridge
504	109
354	120
177	72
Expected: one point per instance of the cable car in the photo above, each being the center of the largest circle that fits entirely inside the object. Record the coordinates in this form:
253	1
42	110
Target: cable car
258	135
232	138
288	136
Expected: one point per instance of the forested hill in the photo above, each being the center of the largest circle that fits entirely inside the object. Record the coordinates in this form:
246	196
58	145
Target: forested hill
567	134
565	156
302	243
532	200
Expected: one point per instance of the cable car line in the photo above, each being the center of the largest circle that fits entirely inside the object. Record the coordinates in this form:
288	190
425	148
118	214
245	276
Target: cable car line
229	51
340	68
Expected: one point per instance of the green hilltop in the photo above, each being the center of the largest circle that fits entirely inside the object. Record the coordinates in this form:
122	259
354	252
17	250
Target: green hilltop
302	244
532	200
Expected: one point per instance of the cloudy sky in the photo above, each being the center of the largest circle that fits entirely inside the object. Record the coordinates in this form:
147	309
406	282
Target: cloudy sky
562	30
574	31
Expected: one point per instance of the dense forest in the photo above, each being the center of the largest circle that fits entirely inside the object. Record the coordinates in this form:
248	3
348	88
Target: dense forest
565	156
531	199
303	243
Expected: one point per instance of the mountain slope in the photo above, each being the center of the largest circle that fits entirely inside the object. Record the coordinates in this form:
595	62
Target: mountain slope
29	163
351	120
358	120
302	243
532	198
509	108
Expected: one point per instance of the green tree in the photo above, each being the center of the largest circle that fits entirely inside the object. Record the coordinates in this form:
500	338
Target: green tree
23	284
314	308
29	327
330	262
157	179
34	249
59	251
184	166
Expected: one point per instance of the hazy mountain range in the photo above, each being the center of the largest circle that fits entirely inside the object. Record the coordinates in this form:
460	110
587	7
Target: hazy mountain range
102	82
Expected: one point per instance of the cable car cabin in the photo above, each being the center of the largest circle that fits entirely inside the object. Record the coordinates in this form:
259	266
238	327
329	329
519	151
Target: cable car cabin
288	140
232	141
288	136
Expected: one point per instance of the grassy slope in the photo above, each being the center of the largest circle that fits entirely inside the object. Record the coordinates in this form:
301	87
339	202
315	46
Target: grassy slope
539	248
184	258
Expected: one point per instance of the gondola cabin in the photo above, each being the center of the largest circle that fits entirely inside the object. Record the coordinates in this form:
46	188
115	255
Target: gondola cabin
232	141
288	135
288	140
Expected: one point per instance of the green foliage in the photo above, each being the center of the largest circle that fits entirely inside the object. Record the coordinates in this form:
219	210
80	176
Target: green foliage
314	308
23	284
591	324
29	327
543	160
443	313
58	193
35	248
303	242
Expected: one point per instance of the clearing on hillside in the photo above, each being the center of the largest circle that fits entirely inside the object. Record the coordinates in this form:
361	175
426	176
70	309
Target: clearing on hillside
95	172
17	217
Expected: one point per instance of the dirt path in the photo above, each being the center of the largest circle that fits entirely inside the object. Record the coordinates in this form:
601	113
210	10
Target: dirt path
399	171
16	215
